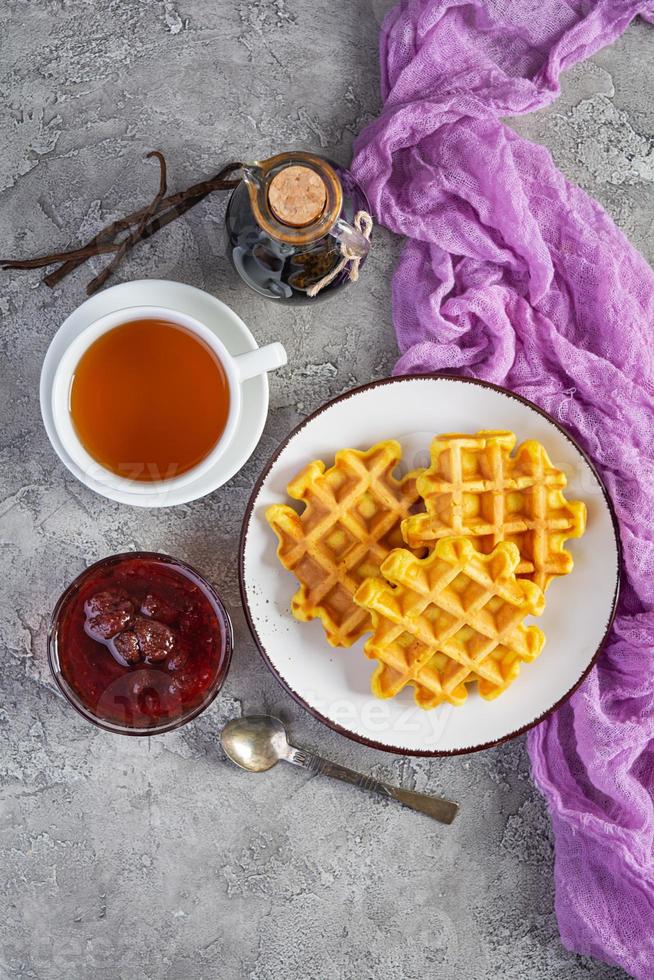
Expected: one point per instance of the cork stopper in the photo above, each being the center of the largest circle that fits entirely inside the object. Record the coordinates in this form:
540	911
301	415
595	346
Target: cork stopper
297	196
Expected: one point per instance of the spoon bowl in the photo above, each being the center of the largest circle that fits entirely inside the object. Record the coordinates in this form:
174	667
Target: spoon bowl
255	743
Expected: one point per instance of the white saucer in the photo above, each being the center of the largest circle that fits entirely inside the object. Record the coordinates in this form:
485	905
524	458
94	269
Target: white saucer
228	327
334	685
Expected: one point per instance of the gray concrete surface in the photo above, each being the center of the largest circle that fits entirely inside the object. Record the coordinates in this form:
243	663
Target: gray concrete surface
128	858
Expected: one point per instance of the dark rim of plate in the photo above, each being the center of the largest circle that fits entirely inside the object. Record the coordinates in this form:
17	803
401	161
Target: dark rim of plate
354	736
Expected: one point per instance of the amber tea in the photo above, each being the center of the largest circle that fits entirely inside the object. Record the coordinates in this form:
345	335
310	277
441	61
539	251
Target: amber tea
149	400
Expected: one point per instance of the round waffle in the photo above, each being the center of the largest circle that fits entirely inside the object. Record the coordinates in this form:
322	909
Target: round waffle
447	620
350	523
475	488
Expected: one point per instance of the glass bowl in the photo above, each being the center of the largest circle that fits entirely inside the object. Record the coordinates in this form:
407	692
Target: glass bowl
140	643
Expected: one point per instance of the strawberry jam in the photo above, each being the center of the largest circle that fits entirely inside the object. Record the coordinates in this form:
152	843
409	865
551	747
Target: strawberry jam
140	643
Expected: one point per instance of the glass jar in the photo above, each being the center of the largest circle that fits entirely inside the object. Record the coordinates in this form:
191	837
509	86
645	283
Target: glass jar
140	643
297	226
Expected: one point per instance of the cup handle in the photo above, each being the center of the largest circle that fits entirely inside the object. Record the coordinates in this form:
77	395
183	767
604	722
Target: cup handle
258	361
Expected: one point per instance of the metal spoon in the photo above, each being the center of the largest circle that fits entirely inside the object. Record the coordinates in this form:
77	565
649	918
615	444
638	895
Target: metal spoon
258	742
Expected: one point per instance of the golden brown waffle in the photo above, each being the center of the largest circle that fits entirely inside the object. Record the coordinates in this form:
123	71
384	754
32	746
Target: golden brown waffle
349	524
450	619
475	488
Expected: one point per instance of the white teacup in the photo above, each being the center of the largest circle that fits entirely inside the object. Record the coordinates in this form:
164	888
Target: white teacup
237	370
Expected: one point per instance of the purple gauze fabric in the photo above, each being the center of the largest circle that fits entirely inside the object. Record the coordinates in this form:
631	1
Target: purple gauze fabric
512	274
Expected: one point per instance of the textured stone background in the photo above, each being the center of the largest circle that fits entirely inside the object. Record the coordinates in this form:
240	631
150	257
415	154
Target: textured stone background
153	858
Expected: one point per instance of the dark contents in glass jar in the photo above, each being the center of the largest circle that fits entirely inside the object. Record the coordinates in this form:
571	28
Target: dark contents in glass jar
141	641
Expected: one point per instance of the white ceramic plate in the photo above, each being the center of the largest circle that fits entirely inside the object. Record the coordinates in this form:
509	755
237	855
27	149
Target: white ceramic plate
334	685
214	314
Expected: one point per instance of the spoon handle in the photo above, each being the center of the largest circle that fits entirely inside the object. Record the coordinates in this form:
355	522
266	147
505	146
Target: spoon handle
442	810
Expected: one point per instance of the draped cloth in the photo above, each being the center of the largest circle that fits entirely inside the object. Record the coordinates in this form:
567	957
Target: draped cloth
512	274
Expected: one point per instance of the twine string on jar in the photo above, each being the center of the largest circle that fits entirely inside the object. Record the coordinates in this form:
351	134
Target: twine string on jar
362	223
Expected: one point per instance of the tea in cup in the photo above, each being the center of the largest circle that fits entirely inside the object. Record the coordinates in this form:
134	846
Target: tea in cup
148	398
